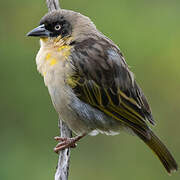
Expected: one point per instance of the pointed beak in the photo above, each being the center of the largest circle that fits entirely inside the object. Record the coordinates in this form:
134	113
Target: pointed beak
39	31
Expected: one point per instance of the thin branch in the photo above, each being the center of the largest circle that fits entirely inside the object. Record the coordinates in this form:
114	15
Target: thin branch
52	5
62	170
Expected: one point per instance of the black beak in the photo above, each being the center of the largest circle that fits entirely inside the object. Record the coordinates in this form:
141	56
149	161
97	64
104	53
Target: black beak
39	31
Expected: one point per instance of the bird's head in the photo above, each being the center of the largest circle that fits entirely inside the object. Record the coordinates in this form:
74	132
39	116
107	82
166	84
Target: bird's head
63	25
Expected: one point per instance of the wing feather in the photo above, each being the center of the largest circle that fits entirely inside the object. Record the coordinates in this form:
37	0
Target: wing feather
104	81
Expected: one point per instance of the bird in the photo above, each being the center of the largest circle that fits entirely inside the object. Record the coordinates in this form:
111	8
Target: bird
91	86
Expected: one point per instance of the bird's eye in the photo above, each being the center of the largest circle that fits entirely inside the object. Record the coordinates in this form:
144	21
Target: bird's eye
57	27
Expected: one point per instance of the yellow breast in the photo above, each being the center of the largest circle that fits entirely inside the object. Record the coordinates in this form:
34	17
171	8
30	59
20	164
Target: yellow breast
50	56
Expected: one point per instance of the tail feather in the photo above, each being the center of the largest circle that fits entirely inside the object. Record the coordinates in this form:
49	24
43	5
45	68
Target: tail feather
161	151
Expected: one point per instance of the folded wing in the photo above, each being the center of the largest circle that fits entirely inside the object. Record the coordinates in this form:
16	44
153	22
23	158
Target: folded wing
102	79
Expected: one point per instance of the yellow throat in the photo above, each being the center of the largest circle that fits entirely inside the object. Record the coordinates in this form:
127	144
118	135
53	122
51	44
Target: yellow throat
52	52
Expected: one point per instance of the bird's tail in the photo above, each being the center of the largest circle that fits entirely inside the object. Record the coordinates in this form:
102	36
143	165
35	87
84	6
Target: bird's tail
161	151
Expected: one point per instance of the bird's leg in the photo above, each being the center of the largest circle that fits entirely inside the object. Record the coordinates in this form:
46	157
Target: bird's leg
67	142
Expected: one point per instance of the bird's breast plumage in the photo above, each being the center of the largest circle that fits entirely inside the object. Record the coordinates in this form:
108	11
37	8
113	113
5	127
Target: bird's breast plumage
51	58
52	62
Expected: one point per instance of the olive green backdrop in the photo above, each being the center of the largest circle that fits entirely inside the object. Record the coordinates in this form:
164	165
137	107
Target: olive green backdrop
148	33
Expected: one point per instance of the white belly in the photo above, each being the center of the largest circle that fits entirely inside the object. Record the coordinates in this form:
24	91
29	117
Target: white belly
61	94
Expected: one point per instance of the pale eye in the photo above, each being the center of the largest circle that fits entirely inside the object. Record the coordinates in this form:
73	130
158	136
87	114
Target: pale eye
57	27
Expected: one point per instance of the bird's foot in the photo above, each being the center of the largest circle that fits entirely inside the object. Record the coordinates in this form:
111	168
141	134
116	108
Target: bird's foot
66	142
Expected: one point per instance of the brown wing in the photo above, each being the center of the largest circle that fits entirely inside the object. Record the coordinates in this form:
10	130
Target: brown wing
102	78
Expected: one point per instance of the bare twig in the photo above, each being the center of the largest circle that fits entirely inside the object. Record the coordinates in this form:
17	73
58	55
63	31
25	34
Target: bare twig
52	5
62	170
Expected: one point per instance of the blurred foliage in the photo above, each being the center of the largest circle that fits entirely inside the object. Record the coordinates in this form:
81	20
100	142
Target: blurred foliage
148	33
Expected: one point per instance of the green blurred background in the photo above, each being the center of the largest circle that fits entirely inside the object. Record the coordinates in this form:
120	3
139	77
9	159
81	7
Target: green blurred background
148	33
